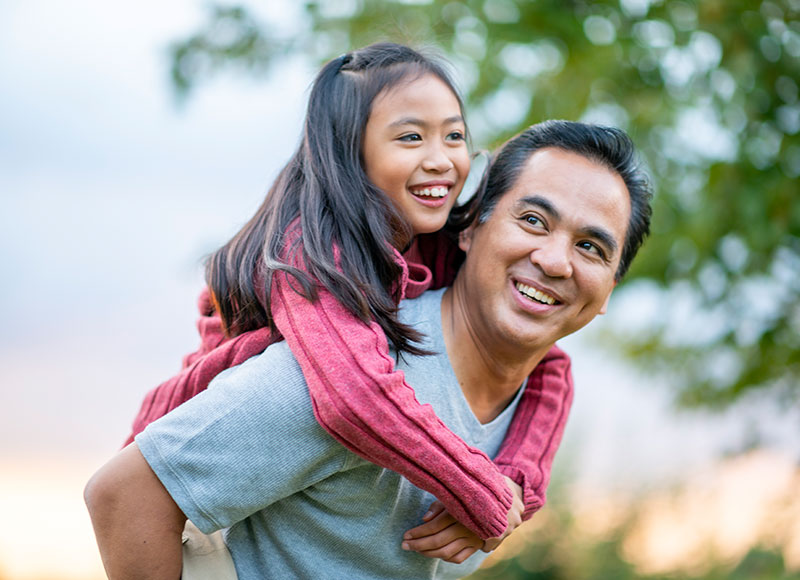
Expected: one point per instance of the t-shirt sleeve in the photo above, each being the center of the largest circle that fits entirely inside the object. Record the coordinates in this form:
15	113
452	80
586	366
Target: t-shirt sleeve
249	440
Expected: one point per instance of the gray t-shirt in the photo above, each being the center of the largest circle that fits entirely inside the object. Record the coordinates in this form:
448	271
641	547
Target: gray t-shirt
247	454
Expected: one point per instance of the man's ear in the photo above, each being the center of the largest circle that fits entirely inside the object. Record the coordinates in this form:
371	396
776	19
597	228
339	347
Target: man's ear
604	308
465	238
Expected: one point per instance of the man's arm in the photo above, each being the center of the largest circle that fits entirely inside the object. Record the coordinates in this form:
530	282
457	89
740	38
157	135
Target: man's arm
137	523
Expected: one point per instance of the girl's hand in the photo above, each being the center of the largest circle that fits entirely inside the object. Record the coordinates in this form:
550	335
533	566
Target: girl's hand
442	536
514	516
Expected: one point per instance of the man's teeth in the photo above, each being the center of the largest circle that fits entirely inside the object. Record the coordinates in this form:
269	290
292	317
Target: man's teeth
432	191
535	294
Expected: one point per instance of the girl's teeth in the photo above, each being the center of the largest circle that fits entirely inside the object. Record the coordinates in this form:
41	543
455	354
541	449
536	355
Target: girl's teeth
432	192
535	294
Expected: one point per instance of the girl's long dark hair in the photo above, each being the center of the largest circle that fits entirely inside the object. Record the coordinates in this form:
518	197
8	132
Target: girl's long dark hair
322	200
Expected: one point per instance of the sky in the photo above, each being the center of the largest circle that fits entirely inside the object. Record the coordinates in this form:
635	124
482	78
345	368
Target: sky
111	195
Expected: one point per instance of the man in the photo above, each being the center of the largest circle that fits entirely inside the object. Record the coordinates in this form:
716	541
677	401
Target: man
561	216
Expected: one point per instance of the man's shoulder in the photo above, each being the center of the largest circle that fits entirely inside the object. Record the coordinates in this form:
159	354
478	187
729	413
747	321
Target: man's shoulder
276	361
263	399
270	376
425	308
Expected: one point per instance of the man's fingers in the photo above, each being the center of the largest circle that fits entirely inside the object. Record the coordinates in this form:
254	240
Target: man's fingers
439	522
455	551
433	541
436	508
462	555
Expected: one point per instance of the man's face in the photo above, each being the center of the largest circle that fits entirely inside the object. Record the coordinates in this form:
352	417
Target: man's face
542	266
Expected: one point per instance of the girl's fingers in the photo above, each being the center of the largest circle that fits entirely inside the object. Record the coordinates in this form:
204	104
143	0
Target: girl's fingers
491	544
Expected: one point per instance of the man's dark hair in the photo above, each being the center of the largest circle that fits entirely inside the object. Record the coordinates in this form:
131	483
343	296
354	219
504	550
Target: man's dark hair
608	146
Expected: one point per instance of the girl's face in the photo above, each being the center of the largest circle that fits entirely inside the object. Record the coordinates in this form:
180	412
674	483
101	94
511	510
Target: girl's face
415	150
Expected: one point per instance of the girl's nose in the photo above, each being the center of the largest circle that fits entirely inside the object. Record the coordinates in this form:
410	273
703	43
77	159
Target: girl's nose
437	160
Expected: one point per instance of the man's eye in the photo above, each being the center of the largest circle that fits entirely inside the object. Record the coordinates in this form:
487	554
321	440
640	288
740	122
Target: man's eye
411	137
591	248
534	221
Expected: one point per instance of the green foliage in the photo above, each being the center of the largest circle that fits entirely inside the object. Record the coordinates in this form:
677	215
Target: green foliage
232	37
707	88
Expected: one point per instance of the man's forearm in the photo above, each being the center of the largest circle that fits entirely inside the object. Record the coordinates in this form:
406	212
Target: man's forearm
137	524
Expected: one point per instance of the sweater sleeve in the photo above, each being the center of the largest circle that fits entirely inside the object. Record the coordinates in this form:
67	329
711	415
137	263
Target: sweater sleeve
366	405
537	427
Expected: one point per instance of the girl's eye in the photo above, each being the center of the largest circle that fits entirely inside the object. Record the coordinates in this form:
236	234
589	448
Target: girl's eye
411	137
456	136
591	248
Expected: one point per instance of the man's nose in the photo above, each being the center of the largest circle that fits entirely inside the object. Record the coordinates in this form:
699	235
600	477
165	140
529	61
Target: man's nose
553	256
437	159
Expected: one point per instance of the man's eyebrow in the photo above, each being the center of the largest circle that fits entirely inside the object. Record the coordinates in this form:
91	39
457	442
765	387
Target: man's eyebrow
601	234
539	201
423	123
604	236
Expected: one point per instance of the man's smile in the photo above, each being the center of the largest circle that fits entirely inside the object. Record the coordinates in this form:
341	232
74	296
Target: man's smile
535	294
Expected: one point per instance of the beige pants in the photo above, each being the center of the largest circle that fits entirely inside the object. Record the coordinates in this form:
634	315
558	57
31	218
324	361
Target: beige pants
205	557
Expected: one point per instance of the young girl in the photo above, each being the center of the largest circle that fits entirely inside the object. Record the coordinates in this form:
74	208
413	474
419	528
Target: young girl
320	265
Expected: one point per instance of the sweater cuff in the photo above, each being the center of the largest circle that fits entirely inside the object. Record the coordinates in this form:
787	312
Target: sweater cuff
532	500
507	500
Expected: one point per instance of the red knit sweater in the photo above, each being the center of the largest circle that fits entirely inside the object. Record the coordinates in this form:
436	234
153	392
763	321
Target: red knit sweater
365	404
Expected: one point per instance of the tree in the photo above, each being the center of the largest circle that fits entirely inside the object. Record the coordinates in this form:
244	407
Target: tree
708	89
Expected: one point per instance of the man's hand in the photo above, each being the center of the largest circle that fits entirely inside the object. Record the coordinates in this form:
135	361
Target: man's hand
442	536
514	517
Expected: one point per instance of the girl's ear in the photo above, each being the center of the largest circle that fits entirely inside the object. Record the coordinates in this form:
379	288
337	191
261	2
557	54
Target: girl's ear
465	238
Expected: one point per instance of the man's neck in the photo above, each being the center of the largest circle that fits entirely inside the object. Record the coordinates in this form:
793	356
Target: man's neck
489	375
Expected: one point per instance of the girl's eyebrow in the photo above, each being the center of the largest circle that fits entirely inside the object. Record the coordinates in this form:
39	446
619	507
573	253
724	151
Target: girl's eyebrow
423	123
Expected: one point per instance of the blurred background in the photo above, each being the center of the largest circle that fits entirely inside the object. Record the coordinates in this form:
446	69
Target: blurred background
136	138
